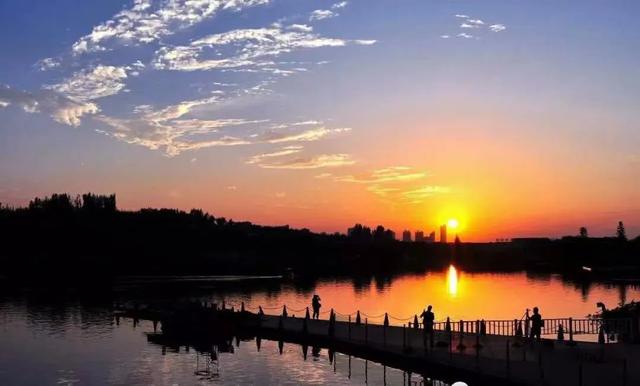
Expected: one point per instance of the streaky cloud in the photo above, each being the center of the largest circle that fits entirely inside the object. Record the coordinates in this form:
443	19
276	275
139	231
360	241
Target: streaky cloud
92	83
146	22
251	48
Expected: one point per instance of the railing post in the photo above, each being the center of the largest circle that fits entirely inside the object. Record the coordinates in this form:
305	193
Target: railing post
571	330
450	344
349	328
384	329
366	331
461	344
332	323
404	336
305	322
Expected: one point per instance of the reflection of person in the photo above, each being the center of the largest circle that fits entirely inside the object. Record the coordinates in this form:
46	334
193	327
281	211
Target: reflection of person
536	324
315	304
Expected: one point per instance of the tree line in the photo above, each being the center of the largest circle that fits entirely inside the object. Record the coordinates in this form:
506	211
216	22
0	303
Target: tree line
87	236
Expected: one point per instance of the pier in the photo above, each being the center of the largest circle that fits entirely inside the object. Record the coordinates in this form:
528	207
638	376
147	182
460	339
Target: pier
477	352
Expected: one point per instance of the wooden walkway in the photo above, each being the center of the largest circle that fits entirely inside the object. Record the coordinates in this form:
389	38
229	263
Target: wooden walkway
499	360
470	356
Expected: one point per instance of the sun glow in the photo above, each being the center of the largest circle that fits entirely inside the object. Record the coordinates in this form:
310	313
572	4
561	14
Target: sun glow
453	223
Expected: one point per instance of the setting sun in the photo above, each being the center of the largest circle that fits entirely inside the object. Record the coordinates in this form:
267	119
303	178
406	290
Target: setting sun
453	223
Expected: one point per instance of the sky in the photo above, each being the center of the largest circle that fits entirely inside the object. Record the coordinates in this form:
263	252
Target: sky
516	118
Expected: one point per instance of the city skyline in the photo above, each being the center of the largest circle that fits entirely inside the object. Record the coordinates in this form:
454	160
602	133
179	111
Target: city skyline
512	119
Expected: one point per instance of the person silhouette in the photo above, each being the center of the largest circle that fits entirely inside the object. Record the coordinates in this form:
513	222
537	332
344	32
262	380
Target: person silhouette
536	324
428	318
315	304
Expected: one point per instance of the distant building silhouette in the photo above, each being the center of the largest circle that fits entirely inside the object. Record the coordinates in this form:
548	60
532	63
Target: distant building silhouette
443	233
406	236
432	237
419	237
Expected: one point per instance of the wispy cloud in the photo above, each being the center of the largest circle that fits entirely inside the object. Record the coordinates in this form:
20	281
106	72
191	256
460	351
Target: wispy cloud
259	158
92	83
339	5
426	191
47	64
300	27
172	137
304	136
321	14
186	124
146	22
478	25
60	108
250	48
173	130
381	191
310	162
390	174
399	184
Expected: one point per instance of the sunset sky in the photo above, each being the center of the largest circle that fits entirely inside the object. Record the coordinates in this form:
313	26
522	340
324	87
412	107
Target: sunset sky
514	117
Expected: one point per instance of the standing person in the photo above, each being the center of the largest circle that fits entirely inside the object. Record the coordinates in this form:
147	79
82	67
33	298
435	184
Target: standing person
428	318
315	304
536	324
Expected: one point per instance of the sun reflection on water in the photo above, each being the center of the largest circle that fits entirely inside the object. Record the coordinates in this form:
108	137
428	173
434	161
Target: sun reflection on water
452	281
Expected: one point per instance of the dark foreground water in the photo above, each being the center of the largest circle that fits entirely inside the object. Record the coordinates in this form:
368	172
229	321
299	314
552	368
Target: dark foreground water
53	338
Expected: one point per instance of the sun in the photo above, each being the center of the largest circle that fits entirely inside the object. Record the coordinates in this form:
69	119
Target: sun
453	223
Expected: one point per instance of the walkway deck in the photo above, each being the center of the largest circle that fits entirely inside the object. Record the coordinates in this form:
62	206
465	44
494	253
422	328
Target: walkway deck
506	360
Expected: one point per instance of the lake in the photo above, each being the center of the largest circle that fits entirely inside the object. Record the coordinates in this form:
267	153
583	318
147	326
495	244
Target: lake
71	338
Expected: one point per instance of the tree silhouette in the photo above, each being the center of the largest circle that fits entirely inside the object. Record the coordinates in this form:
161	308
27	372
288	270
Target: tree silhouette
621	233
583	232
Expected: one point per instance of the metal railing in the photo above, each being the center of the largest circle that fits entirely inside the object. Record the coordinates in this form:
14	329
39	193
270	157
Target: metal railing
569	326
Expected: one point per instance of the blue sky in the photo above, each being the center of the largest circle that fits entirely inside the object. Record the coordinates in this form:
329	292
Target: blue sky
279	110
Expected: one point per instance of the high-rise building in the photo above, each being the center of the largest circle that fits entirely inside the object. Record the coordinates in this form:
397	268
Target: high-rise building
406	236
432	237
419	237
443	233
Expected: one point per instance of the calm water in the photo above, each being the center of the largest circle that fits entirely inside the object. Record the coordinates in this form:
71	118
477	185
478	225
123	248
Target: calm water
74	340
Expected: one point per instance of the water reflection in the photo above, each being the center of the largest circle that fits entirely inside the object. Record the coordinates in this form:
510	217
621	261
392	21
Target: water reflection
452	280
243	364
74	339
